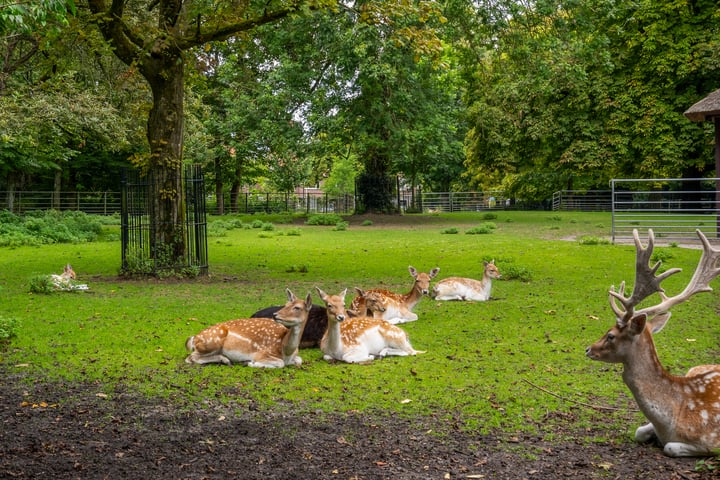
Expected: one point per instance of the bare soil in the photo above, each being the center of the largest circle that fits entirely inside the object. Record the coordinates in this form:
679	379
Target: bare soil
76	432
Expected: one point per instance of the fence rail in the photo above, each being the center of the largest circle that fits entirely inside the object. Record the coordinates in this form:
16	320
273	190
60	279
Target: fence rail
673	207
582	200
97	203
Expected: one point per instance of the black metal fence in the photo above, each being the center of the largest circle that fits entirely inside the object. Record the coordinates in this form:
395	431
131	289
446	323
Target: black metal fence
141	252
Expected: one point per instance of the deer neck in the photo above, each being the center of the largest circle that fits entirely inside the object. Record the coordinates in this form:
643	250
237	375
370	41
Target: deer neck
653	388
333	339
291	341
412	298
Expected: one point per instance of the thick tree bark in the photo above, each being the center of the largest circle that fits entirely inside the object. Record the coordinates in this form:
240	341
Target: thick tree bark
165	73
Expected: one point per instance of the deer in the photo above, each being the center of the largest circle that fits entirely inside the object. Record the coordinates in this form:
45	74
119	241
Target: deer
255	342
683	411
359	339
317	321
66	280
459	288
398	307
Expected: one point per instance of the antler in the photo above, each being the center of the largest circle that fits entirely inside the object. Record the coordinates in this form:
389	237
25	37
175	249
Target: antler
646	283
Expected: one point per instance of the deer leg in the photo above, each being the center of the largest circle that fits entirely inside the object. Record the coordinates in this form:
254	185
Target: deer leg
679	449
202	359
645	434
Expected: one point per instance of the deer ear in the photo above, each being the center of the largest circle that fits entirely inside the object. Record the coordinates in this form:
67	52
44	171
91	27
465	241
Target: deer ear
360	291
308	302
434	272
290	295
412	271
637	324
658	322
343	293
322	294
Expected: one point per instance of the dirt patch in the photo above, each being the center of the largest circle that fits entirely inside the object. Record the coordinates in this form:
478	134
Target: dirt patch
74	431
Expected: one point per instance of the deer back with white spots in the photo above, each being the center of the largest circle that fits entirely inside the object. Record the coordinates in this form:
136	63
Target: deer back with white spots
359	339
256	342
460	288
684	411
398	307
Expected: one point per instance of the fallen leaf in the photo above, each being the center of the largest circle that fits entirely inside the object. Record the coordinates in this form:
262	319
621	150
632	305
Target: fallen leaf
407	400
22	365
101	395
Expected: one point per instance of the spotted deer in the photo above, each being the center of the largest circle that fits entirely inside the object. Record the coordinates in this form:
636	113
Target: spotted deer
684	411
398	307
460	288
359	339
317	321
256	342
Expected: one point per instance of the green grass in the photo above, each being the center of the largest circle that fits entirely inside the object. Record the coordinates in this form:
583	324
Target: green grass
512	363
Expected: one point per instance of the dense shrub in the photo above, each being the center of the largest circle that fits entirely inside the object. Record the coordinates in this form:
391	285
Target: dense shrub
44	227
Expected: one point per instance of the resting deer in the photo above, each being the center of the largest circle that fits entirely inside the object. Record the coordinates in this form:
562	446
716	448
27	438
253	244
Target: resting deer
66	280
684	411
359	339
317	321
257	342
398	307
459	288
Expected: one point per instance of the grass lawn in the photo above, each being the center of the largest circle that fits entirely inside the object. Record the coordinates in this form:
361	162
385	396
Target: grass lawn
515	362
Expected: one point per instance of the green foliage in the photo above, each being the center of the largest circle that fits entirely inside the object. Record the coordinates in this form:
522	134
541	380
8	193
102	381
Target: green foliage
341	226
45	227
482	229
366	223
8	328
516	272
324	219
450	231
592	240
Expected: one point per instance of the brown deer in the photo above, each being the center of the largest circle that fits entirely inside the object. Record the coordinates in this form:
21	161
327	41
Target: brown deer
398	307
459	288
359	339
684	411
257	342
317	321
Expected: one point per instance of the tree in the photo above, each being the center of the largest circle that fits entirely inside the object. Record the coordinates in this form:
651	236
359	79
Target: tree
157	37
573	94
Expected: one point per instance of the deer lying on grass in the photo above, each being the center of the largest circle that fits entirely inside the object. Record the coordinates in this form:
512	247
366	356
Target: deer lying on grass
317	321
398	308
257	342
459	288
359	339
66	280
684	411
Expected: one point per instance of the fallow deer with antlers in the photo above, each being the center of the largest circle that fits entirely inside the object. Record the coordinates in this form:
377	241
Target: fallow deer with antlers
359	339
398	307
684	411
256	342
460	288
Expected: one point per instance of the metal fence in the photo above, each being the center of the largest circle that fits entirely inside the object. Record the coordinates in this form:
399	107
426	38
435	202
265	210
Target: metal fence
141	249
464	201
582	200
96	203
673	207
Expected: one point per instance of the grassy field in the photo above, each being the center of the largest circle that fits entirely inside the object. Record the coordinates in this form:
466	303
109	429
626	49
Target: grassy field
515	362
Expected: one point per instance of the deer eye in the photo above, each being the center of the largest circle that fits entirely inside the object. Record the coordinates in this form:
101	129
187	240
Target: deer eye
610	337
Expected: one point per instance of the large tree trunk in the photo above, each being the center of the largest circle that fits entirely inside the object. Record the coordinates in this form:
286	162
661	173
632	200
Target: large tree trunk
165	73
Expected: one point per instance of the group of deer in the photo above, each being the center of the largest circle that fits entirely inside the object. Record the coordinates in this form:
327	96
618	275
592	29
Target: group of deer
365	331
